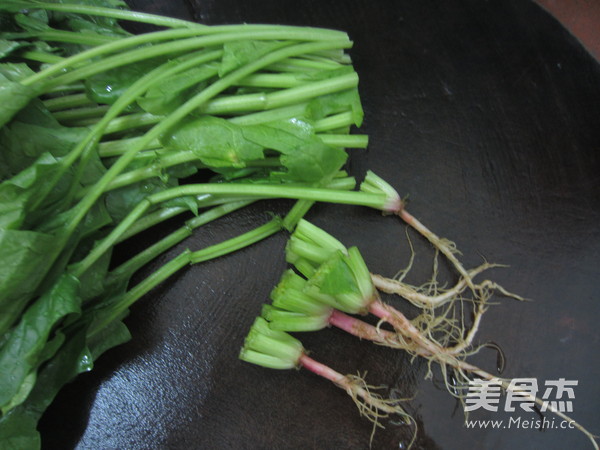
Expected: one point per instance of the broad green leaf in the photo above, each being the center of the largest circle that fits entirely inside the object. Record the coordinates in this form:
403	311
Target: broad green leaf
22	143
19	192
240	52
20	353
313	162
25	256
284	136
338	102
106	25
165	97
82	25
35	20
7	47
18	431
217	142
121	201
325	74
114	334
106	87
13	97
18	428
14	72
93	279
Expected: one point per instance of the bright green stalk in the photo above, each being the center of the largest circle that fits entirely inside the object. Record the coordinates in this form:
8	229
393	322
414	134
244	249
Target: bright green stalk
75	87
310	233
187	257
271	80
334	57
293	321
237	243
267	103
261	101
72	37
101	50
107	12
66	102
341	120
305	267
311	90
293	299
120	146
303	65
375	184
268	361
159	20
297	248
296	213
361	272
257	118
263	339
132	265
43	57
88	112
281	98
142	120
377	201
136	120
345	140
165	213
243	31
159	163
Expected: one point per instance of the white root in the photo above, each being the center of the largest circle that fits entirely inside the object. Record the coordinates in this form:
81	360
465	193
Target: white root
422	300
446	357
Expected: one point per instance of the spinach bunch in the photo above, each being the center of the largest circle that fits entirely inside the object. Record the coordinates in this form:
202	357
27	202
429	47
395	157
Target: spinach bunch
105	134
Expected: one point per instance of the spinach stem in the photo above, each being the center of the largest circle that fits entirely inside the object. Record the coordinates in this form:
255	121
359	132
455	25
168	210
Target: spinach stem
39	56
74	37
95	52
152	19
281	98
129	267
115	13
167	212
340	182
377	201
119	146
87	112
180	261
303	65
67	101
334	122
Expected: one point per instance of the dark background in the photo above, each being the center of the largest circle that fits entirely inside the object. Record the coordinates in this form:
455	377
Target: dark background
486	114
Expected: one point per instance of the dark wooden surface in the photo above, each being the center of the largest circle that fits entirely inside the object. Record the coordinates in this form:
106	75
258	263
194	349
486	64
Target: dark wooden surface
486	114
